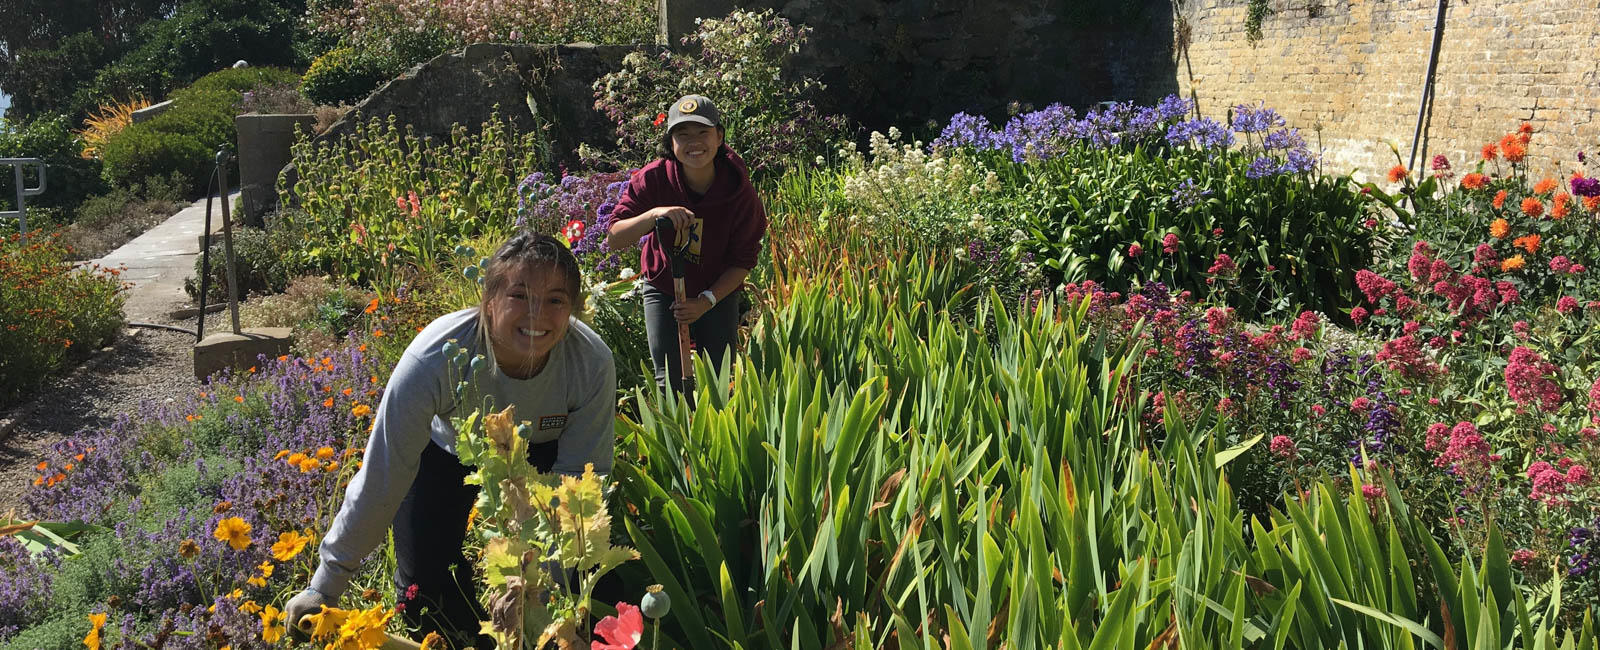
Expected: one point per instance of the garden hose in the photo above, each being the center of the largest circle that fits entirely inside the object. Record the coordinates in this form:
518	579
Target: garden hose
159	326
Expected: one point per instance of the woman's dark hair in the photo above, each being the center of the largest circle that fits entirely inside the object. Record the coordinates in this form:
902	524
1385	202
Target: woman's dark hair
528	248
664	145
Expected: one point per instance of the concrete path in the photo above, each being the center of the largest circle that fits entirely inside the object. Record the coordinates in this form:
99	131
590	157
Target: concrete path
161	259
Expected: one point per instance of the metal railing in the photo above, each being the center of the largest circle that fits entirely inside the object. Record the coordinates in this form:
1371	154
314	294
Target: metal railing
23	191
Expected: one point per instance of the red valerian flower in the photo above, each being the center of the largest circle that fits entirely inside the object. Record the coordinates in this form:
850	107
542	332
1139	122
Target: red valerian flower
620	632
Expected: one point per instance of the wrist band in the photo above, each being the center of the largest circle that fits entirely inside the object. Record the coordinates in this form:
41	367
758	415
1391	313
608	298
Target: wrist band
709	296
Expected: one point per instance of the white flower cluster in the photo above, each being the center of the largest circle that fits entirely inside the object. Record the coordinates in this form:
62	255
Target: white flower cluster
903	178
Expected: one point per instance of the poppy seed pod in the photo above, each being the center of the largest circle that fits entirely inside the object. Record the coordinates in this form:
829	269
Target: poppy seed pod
655	603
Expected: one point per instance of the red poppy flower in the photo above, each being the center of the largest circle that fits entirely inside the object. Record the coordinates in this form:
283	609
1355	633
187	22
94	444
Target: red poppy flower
660	117
573	231
620	632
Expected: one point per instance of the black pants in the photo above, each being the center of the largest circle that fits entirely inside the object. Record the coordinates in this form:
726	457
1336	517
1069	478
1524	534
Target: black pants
429	530
713	334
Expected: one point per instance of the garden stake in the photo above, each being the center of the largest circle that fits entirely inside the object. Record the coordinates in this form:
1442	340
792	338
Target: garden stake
666	235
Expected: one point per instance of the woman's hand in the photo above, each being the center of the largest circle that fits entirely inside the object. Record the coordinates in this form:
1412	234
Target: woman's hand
691	310
681	218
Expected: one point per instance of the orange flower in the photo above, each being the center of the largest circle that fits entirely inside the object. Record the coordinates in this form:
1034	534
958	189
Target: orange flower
361	410
1500	199
1398	173
281	454
371	306
1515	151
325	453
295	458
1544	186
327	403
1474	181
348	391
1499	228
1560	209
238	398
1525	129
1591	203
308	465
1528	243
42	466
1532	207
1512	263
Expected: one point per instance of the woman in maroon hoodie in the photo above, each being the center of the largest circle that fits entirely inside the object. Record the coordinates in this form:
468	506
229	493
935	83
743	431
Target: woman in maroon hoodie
704	188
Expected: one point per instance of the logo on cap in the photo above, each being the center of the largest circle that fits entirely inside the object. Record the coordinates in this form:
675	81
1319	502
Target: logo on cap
688	106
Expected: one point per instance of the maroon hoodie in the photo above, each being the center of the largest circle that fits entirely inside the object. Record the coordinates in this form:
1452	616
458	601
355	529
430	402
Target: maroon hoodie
729	220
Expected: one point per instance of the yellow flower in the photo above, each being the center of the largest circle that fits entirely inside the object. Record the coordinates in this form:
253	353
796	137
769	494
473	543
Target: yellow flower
361	410
249	607
234	531
289	545
235	594
325	453
256	581
187	549
281	454
96	621
333	466
309	464
433	641
271	624
325	624
265	568
295	458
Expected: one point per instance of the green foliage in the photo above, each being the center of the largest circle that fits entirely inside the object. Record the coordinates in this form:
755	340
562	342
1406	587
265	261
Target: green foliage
381	204
742	63
186	137
1255	14
70	178
342	76
258	265
54	79
925	475
534	524
1293	237
50	313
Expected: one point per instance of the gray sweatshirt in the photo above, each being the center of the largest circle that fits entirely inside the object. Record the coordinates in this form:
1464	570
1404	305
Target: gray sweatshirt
573	400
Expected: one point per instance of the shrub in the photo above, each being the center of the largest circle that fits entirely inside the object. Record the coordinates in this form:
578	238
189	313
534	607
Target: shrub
742	65
70	177
273	98
186	137
342	76
319	311
381	203
107	121
50	313
258	265
104	223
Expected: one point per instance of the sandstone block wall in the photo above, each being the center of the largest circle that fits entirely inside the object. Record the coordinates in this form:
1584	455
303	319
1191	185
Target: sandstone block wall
905	63
1351	72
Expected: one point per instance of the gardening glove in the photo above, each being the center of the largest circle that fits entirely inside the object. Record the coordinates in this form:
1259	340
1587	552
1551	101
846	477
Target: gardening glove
303	604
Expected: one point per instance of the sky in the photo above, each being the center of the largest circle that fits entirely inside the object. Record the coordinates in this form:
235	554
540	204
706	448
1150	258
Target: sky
5	103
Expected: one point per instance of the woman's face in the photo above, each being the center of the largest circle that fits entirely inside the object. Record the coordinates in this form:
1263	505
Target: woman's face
695	145
528	318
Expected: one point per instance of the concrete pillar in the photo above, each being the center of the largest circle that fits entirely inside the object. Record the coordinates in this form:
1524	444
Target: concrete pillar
678	15
264	142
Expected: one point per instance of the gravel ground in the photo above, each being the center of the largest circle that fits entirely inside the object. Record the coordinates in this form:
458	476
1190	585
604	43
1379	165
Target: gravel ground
142	364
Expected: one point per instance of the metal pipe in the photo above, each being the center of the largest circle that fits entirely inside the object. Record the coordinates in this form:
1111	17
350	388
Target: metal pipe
205	261
1427	82
227	238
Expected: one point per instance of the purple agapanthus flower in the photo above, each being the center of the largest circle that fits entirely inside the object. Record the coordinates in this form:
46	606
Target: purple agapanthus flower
1188	193
1262	167
1204	133
1255	120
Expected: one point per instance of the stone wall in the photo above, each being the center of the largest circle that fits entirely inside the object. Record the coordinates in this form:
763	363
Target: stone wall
899	62
1350	72
466	86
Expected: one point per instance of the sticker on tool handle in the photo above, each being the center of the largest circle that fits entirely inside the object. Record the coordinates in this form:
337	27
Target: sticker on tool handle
549	422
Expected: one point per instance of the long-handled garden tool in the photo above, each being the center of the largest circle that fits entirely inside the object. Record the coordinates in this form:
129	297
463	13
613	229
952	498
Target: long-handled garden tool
666	234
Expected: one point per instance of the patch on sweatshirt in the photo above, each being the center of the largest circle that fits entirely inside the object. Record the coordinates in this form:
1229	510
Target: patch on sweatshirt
552	422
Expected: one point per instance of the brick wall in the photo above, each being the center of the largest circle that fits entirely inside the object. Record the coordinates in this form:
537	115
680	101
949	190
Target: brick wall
1354	69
